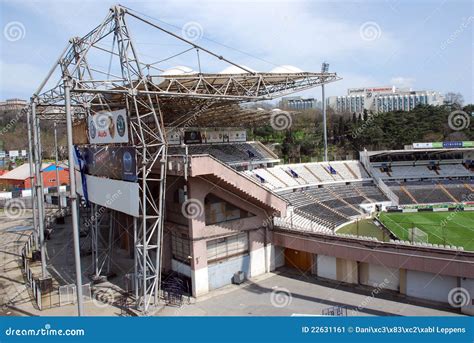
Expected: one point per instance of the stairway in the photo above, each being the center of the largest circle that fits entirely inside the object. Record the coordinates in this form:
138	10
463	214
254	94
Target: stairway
403	188
445	190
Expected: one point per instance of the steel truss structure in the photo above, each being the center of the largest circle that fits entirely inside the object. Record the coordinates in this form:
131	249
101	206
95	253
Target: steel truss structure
155	102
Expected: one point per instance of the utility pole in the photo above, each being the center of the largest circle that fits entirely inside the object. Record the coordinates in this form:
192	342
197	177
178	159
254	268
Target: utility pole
324	69
56	162
39	184
73	196
32	178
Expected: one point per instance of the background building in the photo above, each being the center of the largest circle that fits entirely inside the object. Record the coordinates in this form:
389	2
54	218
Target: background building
19	177
12	104
298	103
383	99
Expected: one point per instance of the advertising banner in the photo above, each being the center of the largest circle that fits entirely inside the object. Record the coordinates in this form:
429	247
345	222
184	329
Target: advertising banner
214	137
173	138
428	145
108	127
117	163
13	153
237	136
192	137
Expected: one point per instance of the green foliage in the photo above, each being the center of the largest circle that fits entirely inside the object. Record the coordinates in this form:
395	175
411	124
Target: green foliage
350	133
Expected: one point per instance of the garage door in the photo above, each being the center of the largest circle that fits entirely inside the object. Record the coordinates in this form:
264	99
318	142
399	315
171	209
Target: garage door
300	260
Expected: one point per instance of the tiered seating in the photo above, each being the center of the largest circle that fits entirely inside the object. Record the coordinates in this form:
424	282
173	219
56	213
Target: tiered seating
284	177
320	171
403	197
454	170
304	174
270	180
422	171
226	152
318	211
333	204
372	192
458	190
311	174
357	169
431	191
429	195
300	222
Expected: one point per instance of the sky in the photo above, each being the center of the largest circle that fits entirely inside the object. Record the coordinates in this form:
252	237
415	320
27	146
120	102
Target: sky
417	44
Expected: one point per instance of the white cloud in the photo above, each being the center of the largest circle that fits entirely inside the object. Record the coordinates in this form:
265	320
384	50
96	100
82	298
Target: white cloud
403	82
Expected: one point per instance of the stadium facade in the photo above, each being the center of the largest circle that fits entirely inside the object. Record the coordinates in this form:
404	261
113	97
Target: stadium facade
256	220
382	99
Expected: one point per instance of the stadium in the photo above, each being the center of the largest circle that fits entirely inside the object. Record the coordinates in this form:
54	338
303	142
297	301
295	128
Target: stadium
173	199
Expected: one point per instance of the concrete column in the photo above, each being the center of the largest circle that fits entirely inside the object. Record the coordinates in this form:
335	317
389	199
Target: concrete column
403	281
199	271
257	252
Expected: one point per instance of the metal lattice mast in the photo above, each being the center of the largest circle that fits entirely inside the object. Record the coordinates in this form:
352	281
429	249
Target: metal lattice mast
149	140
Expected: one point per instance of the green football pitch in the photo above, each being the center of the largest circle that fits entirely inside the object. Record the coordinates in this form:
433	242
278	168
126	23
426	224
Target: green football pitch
447	228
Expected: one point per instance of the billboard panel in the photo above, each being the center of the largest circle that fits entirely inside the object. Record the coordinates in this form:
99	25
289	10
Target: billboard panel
237	136
117	195
173	137
13	153
214	137
108	127
192	137
422	145
112	162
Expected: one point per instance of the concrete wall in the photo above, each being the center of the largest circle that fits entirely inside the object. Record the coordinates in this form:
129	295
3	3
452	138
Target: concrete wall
221	273
468	285
180	267
346	271
277	257
327	267
379	276
429	286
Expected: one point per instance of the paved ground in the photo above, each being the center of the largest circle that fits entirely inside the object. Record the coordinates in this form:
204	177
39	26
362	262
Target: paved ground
277	294
285	293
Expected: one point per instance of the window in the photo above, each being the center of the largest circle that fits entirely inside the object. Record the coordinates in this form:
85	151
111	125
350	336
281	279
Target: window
180	248
222	248
218	210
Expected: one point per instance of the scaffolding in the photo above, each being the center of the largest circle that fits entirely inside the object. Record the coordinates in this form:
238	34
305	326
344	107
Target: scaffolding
155	103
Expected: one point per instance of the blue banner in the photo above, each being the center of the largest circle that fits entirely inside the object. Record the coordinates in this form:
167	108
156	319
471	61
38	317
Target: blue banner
237	329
